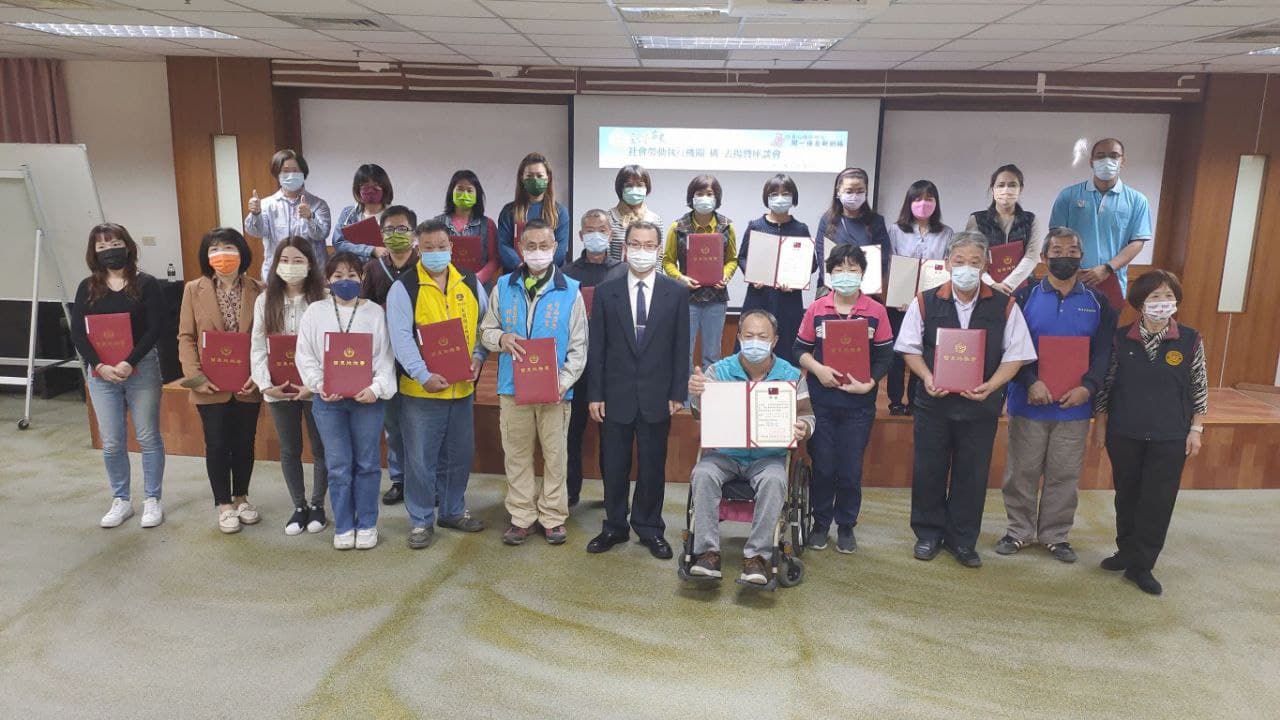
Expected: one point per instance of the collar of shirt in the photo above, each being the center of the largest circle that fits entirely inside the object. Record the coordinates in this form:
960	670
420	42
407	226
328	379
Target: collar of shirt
633	280
708	228
827	305
1116	189
1046	286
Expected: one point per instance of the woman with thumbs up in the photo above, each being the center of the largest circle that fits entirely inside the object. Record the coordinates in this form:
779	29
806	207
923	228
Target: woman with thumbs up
289	211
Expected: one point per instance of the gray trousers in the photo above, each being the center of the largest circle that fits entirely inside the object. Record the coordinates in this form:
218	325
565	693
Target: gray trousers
288	416
768	477
1054	451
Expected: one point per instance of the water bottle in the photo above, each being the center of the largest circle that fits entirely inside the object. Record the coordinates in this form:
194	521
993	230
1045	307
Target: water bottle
172	273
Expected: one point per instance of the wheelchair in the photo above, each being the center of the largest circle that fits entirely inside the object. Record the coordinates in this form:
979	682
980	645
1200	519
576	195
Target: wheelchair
737	504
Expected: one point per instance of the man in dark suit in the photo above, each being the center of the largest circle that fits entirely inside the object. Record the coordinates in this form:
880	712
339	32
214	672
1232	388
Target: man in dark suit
638	374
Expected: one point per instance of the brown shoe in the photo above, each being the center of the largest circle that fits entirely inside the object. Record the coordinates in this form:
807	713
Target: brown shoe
755	570
515	535
706	565
557	535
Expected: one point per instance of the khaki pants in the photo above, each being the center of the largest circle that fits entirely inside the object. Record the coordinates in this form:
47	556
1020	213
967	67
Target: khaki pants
1054	450
528	499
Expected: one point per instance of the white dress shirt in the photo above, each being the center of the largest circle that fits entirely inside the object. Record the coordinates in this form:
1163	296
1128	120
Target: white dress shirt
1016	343
649	282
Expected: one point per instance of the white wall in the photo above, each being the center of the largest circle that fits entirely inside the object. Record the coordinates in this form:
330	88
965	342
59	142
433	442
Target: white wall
120	111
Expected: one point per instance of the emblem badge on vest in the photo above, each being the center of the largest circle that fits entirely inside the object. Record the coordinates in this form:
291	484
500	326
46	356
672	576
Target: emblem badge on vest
1173	357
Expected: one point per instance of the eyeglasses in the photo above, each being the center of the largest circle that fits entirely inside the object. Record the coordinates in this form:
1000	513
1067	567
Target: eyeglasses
387	231
646	246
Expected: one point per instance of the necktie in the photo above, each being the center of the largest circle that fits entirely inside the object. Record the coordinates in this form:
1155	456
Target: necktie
642	314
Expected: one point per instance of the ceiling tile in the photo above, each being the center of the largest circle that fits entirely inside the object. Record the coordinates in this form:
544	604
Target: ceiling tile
244	48
1077	14
163	5
606	63
230	19
453	24
114	17
943	13
12	14
580	52
1017	65
447	8
1221	48
677	29
917	65
1127	2
374	35
1105	46
311	7
1172	58
272	34
1157	32
551	10
775	54
1023	31
767	64
918	30
582	40
431	58
857	65
1214	16
510	40
393	48
513	59
859	43
1121	67
792	30
691	64
1010	44
944	56
568	27
877	56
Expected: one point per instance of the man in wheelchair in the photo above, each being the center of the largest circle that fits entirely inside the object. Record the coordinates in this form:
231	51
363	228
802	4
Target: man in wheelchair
764	468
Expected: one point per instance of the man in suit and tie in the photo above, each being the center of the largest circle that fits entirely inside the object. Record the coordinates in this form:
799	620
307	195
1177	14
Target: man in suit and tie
638	374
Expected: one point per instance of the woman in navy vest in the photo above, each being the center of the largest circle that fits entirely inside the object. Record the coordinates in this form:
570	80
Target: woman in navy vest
1005	221
780	195
851	221
1150	415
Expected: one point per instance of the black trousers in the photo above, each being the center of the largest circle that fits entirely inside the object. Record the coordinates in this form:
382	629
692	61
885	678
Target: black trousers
894	382
578	419
958	451
229	432
1147	474
651	450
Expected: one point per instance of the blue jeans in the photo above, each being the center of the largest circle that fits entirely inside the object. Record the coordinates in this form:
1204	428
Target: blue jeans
139	397
438	448
708	320
352	434
840	435
395	441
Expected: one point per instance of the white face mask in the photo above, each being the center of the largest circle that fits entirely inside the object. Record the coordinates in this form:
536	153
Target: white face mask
704	204
641	261
965	277
291	273
1159	310
539	260
1106	168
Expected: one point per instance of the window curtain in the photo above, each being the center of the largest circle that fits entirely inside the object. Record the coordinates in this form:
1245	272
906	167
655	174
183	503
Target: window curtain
33	101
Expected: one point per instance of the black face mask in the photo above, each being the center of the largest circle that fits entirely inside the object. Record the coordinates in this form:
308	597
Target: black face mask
114	258
1064	268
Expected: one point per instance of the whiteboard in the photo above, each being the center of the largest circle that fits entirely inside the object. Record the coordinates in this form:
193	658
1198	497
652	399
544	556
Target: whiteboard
69	201
421	145
958	151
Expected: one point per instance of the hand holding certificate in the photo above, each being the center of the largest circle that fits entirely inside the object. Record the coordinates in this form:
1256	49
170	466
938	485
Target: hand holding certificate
781	262
748	415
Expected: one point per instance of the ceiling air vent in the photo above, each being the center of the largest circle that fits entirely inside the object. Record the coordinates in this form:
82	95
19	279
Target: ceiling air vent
641	11
340	22
1268	35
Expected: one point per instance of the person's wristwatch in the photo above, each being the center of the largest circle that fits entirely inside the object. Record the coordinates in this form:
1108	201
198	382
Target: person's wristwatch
1110	270
1197	428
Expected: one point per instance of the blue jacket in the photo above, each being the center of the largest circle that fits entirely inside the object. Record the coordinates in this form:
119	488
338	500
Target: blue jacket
552	313
507	250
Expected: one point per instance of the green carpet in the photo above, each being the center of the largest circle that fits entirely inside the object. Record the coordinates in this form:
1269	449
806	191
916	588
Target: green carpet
183	622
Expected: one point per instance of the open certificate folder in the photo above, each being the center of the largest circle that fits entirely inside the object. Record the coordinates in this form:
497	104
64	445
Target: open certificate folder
779	261
748	414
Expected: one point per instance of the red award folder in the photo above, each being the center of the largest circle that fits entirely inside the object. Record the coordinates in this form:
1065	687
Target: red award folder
466	253
280	360
1063	362
958	359
111	336
1004	258
704	258
224	359
846	347
537	377
588	295
365	232
1110	289
444	349
348	363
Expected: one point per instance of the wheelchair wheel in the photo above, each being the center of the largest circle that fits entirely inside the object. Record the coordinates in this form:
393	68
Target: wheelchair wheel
791	572
799	511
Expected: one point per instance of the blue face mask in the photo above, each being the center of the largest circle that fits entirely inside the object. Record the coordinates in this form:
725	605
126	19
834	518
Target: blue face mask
965	277
436	260
755	350
846	283
345	289
634	195
595	242
292	181
780	204
704	204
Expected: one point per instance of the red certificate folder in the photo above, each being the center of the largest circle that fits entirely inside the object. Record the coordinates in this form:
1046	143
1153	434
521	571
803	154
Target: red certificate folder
348	363
466	253
224	359
537	376
1004	258
365	232
588	295
111	336
846	347
1063	362
958	359
704	258
444	349
280	360
1110	289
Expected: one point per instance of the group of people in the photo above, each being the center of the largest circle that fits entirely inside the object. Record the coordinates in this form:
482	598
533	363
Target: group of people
631	361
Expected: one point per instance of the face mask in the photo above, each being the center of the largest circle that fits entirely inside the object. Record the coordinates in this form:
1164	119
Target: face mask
1064	268
436	260
117	258
538	260
371	195
704	204
642	261
535	186
755	350
1106	168
345	289
464	200
853	201
595	242
965	277
846	283
634	195
1159	310
225	262
1005	195
923	209
292	181
397	242
292	273
780	204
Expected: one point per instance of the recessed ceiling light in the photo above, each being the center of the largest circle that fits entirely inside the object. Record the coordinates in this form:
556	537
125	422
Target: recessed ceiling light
1268	51
168	32
677	42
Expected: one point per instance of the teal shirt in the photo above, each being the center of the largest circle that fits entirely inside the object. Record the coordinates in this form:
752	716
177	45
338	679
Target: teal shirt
730	369
1105	223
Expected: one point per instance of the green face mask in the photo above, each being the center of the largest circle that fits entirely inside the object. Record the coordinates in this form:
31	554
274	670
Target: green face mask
464	200
535	186
397	242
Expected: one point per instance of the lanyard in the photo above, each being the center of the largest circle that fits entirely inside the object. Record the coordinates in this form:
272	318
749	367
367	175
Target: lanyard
350	321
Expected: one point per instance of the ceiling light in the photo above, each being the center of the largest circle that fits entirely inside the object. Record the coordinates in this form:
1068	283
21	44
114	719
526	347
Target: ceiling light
1268	51
168	32
676	42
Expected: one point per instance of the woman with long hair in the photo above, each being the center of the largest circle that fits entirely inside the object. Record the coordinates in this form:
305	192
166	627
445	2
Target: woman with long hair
535	200
464	215
850	220
372	191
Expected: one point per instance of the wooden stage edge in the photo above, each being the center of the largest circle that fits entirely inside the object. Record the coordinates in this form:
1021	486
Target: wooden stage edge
1241	442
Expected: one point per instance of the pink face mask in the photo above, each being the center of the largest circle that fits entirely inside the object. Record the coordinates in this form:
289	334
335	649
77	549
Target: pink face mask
923	209
371	194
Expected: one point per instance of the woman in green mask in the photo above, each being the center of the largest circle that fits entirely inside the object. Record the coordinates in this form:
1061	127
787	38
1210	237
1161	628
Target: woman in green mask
535	199
464	216
371	189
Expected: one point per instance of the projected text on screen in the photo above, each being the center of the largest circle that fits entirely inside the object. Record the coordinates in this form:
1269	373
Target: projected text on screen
792	151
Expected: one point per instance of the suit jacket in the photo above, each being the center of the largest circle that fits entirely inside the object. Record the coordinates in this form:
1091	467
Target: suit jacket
638	379
199	313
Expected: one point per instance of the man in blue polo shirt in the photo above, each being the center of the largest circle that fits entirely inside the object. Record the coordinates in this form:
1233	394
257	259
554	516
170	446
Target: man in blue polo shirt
1047	435
1112	219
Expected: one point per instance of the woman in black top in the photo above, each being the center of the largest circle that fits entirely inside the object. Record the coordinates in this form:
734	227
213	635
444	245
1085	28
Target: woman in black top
851	221
780	195
130	386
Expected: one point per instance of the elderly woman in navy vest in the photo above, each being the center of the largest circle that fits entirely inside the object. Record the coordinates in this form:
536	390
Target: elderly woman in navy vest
954	432
1150	415
1005	221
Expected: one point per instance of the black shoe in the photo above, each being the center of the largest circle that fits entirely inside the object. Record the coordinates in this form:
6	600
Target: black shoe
1145	581
606	540
967	557
573	500
1062	552
927	549
316	521
1115	563
897	409
658	547
845	541
1009	545
297	522
393	495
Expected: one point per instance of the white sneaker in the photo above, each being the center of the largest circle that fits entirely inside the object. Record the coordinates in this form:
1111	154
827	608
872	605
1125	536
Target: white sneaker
152	513
366	539
344	541
229	522
120	511
247	513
